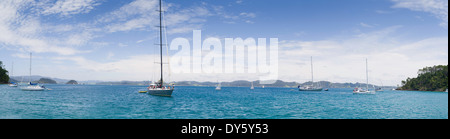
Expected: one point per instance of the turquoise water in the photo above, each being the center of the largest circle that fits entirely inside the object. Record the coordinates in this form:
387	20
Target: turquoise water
124	102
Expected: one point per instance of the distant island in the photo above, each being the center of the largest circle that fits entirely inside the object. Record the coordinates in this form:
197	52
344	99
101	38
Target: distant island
239	83
278	83
46	81
72	82
429	79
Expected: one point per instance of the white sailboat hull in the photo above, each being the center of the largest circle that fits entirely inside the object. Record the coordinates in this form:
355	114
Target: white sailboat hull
12	85
33	88
364	92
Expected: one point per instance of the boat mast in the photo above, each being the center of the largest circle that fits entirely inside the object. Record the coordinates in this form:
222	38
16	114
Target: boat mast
30	66
12	69
367	74
312	72
160	39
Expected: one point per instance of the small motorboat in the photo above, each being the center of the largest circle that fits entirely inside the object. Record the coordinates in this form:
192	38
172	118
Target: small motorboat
143	91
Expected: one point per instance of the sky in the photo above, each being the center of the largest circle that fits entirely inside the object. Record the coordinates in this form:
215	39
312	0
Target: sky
114	40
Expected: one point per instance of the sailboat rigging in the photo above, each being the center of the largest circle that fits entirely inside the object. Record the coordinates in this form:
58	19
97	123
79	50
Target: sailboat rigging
31	86
12	84
312	87
159	89
361	90
219	86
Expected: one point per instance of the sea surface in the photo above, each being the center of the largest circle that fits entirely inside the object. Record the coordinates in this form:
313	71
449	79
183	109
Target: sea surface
124	102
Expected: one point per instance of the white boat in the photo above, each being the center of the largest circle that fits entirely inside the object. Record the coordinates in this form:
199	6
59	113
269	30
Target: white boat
312	87
159	89
219	87
253	87
379	89
361	90
309	88
12	84
31	86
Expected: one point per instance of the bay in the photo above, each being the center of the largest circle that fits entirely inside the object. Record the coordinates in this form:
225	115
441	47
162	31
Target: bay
124	102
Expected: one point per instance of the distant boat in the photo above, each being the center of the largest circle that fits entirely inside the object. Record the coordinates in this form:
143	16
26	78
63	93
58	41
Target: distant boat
253	87
31	86
379	89
219	87
143	91
312	87
159	89
12	84
361	90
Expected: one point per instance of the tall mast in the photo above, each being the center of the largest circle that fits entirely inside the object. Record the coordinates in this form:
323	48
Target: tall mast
160	38
12	69
312	72
367	74
30	66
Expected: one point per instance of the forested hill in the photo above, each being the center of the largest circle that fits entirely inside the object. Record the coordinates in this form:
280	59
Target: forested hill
4	78
430	79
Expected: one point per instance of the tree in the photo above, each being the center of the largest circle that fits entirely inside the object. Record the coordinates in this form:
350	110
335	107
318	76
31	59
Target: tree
429	79
4	78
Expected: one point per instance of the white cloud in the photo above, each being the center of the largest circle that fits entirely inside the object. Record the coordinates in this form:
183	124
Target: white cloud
249	15
383	12
133	68
439	8
70	7
24	31
232	17
139	14
132	24
342	60
142	15
365	25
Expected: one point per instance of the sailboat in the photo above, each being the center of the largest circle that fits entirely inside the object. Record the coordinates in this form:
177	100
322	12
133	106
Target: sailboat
253	87
31	86
219	87
380	89
12	84
312	87
158	89
361	90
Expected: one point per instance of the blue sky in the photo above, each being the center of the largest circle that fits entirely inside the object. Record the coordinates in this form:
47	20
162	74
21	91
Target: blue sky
114	40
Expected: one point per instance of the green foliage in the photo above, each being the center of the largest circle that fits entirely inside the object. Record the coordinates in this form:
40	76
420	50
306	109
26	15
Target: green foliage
430	79
4	78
